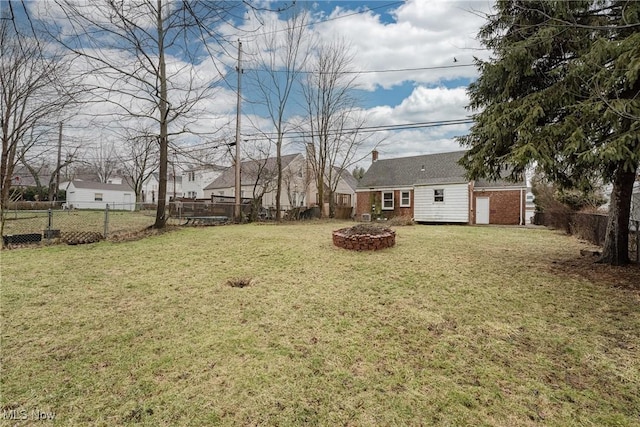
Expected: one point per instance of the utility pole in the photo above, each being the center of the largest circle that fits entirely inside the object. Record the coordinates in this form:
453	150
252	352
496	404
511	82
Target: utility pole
57	188
238	189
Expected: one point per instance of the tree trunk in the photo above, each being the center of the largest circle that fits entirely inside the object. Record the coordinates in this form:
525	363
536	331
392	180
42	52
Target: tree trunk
332	204
279	172
616	244
164	138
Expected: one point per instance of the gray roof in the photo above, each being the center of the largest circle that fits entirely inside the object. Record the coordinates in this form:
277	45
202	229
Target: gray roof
347	177
249	171
99	186
440	168
483	183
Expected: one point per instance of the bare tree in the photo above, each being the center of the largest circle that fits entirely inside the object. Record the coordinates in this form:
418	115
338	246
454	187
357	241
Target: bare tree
139	161
261	173
103	161
281	58
145	63
334	120
32	98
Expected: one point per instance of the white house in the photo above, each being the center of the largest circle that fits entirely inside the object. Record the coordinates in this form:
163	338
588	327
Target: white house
195	179
97	195
344	195
260	175
151	184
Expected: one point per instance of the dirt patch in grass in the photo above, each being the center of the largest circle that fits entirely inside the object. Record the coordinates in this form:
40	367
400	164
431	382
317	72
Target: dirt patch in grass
131	236
239	282
585	267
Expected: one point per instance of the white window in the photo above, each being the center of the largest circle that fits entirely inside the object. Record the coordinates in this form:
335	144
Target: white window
387	200
438	195
97	197
405	199
191	176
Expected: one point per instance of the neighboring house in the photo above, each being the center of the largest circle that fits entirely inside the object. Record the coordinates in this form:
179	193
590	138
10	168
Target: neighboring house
22	178
635	202
196	178
344	196
96	195
433	188
634	214
151	184
260	175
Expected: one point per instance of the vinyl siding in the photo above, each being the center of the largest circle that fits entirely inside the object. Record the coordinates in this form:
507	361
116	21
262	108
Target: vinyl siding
84	198
454	208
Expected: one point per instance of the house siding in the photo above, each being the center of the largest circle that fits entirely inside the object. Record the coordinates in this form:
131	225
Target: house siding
84	198
363	204
366	199
505	206
293	175
454	208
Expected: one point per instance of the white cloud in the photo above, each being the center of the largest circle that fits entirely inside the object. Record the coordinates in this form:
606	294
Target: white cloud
422	105
425	34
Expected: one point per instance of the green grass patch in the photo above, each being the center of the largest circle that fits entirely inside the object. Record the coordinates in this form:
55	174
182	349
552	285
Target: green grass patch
273	325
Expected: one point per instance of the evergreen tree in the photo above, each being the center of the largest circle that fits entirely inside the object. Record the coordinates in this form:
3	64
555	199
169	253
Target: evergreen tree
561	90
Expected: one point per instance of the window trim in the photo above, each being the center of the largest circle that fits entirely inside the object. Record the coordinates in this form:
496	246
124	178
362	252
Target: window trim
408	204
436	196
385	208
96	199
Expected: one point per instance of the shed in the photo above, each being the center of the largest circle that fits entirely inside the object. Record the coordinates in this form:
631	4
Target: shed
97	195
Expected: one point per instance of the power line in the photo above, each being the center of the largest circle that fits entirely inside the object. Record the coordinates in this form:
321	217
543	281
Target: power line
364	129
322	21
214	145
390	70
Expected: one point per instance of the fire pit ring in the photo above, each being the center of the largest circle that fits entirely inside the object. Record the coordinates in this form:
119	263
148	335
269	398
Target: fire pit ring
364	237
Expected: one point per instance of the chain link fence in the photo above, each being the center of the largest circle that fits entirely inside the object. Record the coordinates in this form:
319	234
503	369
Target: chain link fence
75	226
62	223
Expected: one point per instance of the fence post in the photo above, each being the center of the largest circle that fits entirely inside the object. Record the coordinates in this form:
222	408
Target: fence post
106	221
49	224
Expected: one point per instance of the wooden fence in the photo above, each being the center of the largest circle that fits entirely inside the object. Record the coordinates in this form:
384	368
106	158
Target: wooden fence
591	227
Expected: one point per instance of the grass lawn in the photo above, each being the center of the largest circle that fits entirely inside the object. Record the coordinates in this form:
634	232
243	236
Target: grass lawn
78	220
454	326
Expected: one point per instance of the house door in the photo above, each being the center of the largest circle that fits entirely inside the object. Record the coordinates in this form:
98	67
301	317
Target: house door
482	210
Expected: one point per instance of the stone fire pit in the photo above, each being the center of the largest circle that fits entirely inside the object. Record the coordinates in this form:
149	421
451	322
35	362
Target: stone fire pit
364	237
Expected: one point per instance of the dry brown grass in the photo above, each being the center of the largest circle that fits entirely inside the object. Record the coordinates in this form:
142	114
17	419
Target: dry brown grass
452	326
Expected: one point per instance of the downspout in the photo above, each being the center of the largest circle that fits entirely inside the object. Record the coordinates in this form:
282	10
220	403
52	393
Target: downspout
522	221
472	219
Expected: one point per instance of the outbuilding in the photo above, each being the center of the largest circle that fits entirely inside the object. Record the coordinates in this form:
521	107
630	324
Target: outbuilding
97	195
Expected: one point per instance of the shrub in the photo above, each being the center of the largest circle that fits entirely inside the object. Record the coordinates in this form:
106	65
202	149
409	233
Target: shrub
400	220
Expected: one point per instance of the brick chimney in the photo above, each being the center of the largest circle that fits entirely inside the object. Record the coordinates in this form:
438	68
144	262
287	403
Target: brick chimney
374	156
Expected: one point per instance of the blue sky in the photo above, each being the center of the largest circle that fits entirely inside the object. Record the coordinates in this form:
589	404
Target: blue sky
432	41
411	35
